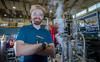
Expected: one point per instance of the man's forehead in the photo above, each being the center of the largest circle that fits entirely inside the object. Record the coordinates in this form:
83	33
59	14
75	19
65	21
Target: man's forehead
37	10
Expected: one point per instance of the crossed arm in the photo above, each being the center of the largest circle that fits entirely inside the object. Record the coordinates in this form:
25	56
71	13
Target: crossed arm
23	49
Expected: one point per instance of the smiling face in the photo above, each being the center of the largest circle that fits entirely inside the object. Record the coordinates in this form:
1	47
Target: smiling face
37	16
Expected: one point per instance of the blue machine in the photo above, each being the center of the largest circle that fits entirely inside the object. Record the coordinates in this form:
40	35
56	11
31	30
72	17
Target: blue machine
90	25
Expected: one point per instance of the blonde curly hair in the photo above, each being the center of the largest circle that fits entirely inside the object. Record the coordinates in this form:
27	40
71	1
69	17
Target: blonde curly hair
33	7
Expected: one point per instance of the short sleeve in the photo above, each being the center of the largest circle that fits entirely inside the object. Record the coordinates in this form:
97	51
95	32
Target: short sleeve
21	34
49	38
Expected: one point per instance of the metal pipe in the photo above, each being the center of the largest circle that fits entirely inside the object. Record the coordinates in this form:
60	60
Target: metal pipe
2	49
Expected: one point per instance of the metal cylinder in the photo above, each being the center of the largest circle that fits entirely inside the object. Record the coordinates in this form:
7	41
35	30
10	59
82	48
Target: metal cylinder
2	49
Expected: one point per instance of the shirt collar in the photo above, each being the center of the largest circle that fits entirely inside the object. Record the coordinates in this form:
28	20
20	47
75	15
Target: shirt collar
31	25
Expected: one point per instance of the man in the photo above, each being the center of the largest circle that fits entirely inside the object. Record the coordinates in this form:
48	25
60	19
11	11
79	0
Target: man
34	43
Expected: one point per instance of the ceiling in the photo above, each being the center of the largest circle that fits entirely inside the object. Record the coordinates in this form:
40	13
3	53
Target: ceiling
23	6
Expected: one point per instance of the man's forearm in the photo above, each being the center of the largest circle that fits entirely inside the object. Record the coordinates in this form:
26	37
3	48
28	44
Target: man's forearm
23	49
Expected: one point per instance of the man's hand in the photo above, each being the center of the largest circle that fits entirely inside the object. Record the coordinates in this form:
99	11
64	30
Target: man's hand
52	51
49	51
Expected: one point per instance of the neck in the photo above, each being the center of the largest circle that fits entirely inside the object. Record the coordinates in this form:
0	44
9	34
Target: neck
36	26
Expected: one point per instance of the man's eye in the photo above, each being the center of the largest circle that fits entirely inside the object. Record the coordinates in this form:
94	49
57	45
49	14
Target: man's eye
37	14
34	13
41	14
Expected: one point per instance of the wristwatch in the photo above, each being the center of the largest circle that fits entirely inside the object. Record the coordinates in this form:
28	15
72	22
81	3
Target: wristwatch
43	46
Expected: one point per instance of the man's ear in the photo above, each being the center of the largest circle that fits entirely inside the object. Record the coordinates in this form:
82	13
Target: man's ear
42	17
31	17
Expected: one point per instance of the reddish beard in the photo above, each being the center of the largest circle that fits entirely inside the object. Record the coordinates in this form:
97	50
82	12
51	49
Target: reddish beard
37	22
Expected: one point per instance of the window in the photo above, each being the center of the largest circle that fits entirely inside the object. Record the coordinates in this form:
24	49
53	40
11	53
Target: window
92	8
98	5
81	13
73	16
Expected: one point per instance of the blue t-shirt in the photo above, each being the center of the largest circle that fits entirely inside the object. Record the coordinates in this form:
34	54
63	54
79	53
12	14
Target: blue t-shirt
31	35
